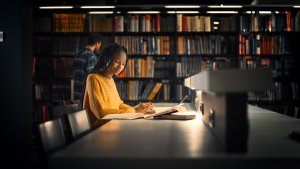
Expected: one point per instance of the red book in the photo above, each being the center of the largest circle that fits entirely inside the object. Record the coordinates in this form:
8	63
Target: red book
157	22
288	21
116	24
44	113
184	23
148	23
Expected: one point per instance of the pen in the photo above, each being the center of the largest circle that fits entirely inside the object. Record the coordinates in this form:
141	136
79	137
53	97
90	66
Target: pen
183	99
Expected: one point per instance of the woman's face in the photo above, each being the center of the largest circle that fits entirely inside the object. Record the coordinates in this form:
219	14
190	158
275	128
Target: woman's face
118	64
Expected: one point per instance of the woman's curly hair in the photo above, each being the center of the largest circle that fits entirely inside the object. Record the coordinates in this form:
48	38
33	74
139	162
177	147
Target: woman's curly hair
107	55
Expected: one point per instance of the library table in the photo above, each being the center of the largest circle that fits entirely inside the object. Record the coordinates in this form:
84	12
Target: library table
143	143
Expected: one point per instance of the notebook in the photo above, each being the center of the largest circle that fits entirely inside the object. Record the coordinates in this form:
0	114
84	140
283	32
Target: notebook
158	112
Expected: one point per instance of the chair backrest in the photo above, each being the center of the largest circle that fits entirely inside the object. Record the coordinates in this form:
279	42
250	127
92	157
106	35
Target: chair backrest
59	111
79	103
52	135
79	123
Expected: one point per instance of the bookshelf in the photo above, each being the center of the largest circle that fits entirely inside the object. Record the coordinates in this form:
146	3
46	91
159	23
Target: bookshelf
166	45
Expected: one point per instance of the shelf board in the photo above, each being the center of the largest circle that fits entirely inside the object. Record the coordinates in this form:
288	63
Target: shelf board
273	102
155	56
286	78
271	56
145	100
70	33
231	33
281	33
144	78
144	33
53	55
53	79
209	55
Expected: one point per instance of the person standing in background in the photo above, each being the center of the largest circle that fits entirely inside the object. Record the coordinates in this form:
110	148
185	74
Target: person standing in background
84	63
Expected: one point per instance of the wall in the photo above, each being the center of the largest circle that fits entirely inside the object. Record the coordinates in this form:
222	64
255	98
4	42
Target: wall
15	89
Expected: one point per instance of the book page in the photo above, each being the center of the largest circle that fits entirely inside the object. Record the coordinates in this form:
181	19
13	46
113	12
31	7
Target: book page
124	116
158	111
164	110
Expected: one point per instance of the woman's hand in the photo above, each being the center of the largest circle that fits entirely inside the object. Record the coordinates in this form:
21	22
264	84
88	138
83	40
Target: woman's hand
145	108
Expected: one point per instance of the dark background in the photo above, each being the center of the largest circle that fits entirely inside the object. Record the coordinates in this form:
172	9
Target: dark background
16	77
15	89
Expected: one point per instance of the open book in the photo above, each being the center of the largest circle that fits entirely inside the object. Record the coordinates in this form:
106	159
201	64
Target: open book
158	112
131	116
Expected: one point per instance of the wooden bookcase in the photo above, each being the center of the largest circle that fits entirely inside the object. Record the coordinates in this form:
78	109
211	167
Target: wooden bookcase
168	45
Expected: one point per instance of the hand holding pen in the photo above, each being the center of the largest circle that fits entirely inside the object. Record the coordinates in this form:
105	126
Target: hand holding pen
145	108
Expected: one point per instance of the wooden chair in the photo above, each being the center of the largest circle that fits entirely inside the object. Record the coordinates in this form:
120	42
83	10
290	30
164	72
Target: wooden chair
79	123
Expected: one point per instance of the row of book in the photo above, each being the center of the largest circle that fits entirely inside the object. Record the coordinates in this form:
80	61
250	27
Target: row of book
149	90
208	44
147	45
263	44
100	23
255	21
139	67
137	23
144	23
128	90
42	92
141	90
279	91
69	45
224	24
147	67
279	67
164	69
42	45
164	45
271	22
182	91
42	24
43	111
284	67
189	66
66	22
61	67
72	23
161	90
193	23
58	45
104	23
51	91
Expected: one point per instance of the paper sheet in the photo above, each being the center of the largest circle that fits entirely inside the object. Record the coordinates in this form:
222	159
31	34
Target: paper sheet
124	116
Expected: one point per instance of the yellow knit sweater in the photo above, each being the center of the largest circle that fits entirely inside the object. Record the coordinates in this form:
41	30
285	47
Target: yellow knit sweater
101	98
